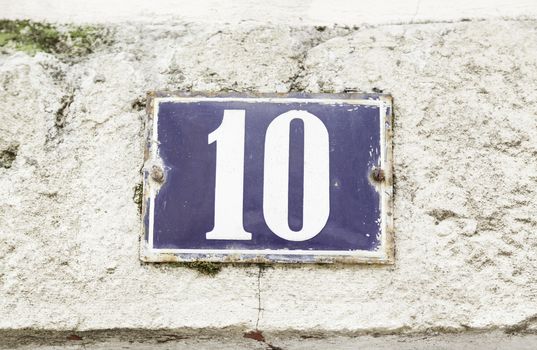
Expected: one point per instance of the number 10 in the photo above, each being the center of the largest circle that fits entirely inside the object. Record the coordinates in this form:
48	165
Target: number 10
230	139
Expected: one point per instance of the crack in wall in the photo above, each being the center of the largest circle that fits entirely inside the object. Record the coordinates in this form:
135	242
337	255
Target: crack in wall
259	275
61	113
55	133
314	41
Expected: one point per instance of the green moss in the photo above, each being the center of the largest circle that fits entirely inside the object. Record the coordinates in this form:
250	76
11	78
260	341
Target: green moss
85	39
138	196
203	267
64	41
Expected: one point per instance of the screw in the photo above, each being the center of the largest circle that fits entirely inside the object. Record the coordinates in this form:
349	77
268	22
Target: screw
377	174
157	173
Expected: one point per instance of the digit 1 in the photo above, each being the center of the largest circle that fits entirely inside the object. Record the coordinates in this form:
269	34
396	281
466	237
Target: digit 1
229	138
316	197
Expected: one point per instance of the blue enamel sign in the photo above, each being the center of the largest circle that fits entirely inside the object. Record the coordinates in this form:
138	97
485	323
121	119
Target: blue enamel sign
294	178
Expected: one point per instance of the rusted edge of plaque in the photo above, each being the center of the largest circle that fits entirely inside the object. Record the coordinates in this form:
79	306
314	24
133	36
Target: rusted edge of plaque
385	254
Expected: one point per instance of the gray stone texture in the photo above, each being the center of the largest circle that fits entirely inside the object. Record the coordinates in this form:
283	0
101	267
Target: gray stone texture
465	148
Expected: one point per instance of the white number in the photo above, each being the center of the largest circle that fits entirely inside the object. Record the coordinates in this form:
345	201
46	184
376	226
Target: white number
229	178
316	198
229	189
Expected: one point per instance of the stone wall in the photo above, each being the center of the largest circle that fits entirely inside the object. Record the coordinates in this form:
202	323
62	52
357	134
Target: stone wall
465	147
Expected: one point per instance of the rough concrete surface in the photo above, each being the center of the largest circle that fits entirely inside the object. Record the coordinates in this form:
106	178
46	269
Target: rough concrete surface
465	145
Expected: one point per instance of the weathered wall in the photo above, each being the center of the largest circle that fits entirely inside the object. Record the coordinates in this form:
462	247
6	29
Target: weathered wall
466	179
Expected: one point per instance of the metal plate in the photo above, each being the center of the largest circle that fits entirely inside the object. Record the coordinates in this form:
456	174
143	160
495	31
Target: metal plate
268	178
